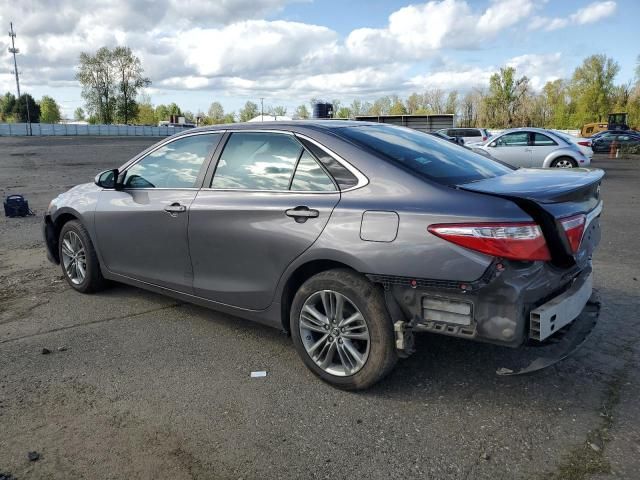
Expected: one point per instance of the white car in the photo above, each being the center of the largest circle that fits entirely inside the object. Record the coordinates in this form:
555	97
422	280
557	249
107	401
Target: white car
584	144
534	147
470	135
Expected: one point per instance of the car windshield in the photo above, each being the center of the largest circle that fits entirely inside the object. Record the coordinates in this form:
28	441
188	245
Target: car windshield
435	159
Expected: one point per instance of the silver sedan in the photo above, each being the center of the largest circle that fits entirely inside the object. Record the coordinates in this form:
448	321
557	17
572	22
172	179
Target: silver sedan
534	147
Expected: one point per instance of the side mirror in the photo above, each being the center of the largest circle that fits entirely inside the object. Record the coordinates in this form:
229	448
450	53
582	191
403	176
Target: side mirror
107	179
493	144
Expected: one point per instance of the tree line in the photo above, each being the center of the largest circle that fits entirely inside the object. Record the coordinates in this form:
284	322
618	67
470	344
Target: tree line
112	84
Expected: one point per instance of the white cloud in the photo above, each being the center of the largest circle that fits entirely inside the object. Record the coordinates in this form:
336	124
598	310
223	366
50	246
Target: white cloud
592	13
416	31
237	49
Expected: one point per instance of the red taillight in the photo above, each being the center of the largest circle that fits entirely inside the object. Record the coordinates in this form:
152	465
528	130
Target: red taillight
515	241
585	144
484	139
574	227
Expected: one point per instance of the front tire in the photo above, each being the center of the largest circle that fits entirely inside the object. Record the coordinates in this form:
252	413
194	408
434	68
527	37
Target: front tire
78	258
342	330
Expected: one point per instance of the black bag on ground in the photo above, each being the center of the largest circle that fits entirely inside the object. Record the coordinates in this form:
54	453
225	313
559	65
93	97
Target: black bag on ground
16	206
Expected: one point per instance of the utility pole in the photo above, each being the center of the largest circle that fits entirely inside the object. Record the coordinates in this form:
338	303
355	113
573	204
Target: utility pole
262	109
14	51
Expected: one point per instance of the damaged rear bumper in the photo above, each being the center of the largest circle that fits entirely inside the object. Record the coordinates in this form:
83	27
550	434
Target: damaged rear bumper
545	312
559	346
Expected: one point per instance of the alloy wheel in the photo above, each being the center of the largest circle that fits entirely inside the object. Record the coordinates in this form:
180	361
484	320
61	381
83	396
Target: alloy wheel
74	257
334	333
564	164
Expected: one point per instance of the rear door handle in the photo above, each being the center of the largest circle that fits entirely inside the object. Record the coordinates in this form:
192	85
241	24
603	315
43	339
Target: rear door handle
174	208
301	214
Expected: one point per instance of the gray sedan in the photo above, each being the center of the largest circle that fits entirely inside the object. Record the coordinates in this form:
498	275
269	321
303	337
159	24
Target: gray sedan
350	236
534	147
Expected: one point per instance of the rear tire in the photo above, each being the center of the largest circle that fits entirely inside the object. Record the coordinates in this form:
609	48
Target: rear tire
78	258
564	162
342	330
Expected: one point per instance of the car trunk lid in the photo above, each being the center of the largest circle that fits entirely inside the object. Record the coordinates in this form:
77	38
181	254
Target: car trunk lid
551	196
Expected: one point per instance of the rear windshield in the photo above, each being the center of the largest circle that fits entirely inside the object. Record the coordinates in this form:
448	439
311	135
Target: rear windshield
428	156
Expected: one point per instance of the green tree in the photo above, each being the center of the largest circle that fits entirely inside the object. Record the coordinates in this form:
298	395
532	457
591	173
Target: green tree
505	98
20	109
397	106
592	89
174	109
278	110
229	118
249	111
343	112
96	74
7	107
78	114
146	113
451	105
162	113
216	113
414	103
49	110
130	79
381	106
302	112
556	102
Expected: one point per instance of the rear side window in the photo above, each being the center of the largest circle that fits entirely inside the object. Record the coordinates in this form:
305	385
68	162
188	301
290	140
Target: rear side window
310	177
540	140
257	161
472	133
343	177
438	160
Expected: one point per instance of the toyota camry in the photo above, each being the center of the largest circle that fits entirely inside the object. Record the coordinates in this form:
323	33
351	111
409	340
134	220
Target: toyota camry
350	236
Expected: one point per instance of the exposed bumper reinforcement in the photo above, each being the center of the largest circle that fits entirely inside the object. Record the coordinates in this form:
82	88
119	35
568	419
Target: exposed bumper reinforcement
562	344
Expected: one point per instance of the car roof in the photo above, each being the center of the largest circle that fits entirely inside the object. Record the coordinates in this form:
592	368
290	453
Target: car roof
320	125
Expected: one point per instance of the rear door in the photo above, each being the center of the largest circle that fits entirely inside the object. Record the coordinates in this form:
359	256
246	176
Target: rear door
142	229
267	202
512	148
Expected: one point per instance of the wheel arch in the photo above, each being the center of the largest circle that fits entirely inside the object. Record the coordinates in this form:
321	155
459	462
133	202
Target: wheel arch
300	275
53	227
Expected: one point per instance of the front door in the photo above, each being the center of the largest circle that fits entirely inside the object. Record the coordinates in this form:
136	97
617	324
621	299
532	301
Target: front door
512	148
142	229
269	200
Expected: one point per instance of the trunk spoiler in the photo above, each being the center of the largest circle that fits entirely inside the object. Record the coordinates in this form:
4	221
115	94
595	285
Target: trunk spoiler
541	185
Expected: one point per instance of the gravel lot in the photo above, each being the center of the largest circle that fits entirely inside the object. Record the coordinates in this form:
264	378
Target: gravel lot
145	387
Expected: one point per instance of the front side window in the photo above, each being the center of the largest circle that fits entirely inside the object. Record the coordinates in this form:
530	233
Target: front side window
438	160
540	140
257	161
515	139
174	165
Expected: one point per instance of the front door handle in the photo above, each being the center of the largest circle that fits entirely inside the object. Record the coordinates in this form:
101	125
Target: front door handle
175	208
302	214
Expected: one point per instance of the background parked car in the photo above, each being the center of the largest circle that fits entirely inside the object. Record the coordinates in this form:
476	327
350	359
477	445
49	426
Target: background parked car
535	147
602	143
439	134
470	135
584	144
